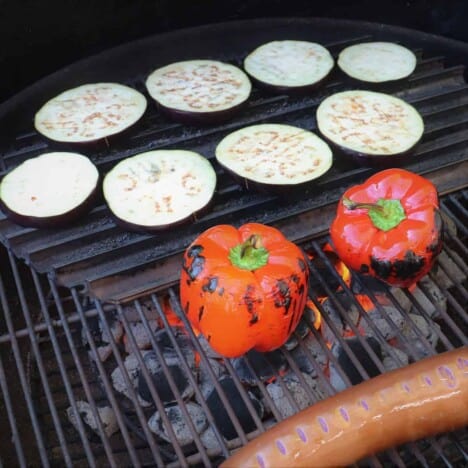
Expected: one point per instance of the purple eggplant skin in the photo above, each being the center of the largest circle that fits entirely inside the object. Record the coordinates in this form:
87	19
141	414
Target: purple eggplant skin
56	221
273	189
373	160
127	226
201	118
292	90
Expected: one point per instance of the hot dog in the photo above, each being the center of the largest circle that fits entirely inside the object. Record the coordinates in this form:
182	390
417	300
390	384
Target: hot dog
417	401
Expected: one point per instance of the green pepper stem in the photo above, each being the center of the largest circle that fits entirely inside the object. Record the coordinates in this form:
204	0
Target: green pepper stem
384	214
351	205
250	254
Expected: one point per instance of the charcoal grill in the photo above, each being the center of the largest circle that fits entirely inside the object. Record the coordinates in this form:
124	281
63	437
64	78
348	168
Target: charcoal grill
56	285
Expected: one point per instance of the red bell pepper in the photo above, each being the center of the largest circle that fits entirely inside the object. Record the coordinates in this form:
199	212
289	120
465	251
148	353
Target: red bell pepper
244	288
389	227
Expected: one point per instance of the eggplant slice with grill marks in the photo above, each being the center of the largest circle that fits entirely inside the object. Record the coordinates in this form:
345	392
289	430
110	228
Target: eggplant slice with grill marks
159	189
199	91
273	157
50	190
373	129
377	62
90	112
289	66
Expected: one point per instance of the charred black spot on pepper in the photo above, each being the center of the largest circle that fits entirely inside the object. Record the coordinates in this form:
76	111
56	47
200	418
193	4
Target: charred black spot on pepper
194	251
282	295
200	313
186	308
301	289
210	284
195	267
364	268
383	268
254	319
208	338
250	302
295	278
302	264
409	267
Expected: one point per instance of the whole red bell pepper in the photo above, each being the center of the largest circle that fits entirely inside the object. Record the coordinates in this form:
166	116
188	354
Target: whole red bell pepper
244	288
389	227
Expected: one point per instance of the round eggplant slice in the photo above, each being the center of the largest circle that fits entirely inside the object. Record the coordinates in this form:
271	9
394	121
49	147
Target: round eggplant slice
372	128
199	91
50	190
377	62
90	112
158	189
273	157
289	66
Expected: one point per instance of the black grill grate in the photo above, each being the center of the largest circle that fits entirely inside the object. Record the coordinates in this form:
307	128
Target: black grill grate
94	250
45	367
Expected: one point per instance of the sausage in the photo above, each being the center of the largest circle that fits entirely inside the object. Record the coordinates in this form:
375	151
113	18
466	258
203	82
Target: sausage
416	401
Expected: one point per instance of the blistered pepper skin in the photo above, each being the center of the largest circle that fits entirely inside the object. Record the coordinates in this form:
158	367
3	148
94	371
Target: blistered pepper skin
402	255
236	309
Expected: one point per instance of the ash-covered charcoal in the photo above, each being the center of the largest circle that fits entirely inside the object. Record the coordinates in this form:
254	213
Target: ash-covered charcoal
209	439
147	307
103	352
415	345
106	415
395	359
430	298
160	380
98	331
132	367
302	330
447	273
141	335
297	392
205	380
221	416
166	346
325	276
382	293
178	422
303	358
345	363
352	314
387	320
208	350
266	366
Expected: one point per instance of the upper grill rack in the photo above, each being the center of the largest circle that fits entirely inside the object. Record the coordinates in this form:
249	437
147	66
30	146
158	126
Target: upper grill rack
95	249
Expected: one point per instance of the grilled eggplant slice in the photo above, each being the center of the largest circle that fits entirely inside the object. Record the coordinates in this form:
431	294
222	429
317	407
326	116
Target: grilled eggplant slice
199	91
159	189
372	128
90	112
50	190
274	157
377	62
289	66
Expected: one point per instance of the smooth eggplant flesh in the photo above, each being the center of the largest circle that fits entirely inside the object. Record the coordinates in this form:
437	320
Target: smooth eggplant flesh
274	154
48	189
199	86
285	64
157	189
90	112
377	62
369	123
